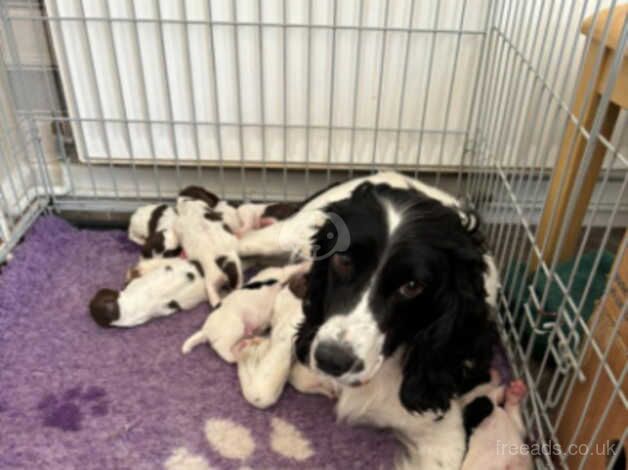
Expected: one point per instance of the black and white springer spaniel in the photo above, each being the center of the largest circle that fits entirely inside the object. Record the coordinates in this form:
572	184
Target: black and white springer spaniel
399	307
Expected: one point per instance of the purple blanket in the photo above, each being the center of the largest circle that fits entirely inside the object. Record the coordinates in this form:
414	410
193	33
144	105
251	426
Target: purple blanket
76	396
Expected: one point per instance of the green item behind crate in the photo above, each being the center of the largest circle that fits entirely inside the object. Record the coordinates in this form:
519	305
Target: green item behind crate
555	296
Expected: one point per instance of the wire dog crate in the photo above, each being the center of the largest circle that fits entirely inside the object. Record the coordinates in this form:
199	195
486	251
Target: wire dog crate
109	104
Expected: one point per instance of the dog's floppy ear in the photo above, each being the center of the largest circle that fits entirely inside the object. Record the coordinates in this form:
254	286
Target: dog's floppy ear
453	354
298	285
196	192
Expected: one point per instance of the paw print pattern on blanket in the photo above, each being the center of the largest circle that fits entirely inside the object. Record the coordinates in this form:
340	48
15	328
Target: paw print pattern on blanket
66	412
234	441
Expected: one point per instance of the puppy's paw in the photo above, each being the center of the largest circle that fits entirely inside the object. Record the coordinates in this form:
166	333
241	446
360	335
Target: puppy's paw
516	392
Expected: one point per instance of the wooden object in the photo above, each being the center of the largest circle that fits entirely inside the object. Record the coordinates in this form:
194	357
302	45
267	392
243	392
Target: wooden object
571	152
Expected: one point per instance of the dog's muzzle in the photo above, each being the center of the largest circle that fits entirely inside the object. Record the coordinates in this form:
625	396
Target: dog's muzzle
336	359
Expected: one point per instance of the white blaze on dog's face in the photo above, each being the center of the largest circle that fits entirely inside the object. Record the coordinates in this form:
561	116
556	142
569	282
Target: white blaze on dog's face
400	279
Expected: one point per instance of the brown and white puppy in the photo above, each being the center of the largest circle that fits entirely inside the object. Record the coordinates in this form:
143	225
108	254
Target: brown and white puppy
164	287
204	237
152	226
243	312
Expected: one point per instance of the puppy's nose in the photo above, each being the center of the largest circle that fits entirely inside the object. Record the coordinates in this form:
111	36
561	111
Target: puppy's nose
336	358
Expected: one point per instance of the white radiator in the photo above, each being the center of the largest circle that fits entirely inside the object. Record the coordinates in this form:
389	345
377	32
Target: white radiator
323	90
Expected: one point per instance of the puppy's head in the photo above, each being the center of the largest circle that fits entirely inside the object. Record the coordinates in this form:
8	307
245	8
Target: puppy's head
411	278
104	307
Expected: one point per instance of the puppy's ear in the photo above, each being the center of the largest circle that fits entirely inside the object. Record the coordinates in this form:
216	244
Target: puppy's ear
196	192
154	245
298	285
231	270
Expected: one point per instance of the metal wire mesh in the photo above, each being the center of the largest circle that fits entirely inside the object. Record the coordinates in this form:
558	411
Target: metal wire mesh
110	104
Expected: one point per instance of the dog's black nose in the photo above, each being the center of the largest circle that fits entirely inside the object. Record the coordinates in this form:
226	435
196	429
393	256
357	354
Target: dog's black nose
336	359
104	307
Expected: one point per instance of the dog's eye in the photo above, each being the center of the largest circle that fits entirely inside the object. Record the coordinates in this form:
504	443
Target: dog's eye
342	264
411	289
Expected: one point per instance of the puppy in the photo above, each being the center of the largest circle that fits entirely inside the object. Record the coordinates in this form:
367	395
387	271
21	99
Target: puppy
203	237
152	227
495	431
243	312
164	287
265	364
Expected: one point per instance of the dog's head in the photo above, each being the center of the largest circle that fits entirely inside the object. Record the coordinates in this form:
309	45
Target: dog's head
411	278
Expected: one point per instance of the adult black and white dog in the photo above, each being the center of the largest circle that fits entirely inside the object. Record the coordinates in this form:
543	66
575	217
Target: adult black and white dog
399	306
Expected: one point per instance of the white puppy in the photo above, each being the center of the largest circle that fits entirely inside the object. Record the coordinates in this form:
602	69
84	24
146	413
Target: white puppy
243	312
265	364
164	287
204	238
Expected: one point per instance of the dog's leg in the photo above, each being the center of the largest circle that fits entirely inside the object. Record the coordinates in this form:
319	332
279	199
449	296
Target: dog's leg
263	242
263	369
291	237
307	381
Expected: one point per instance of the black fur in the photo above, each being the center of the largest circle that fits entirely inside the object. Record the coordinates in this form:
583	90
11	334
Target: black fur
475	412
155	246
196	192
280	210
198	267
260	284
440	330
154	218
174	305
230	269
213	216
104	307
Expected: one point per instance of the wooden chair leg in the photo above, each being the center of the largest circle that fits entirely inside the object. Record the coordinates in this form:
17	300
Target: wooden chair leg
569	161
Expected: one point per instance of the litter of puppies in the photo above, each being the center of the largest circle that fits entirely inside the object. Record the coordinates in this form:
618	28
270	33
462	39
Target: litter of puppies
190	255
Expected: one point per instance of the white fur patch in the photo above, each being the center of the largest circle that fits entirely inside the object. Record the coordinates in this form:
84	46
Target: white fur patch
360	330
393	217
182	459
229	439
287	440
